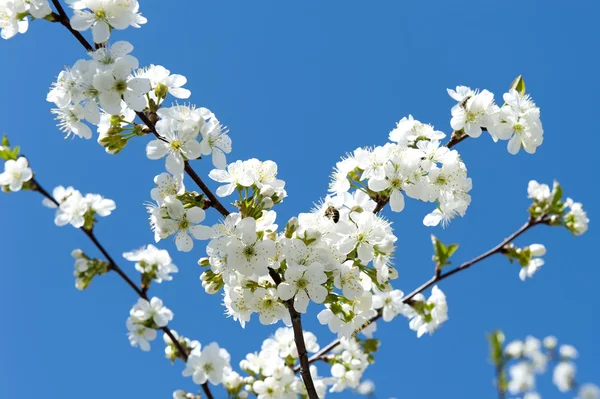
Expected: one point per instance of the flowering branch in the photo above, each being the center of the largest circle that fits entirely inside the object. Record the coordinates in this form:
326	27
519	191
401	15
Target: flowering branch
340	255
214	202
439	277
181	351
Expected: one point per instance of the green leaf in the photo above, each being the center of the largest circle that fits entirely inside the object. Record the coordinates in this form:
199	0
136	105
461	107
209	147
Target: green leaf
442	252
370	345
5	142
519	85
451	249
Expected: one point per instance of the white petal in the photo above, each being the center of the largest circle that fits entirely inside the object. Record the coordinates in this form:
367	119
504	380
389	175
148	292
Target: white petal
101	32
156	149
397	201
195	215
286	291
201	232
175	164
184	242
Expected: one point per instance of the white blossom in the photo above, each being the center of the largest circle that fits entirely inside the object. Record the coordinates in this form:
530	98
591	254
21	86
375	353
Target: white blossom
211	364
564	376
152	310
16	173
102	15
536	250
153	261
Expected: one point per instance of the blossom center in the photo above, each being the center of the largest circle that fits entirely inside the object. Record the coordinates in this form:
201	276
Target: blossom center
396	183
176	145
184	224
120	86
302	283
249	252
100	14
518	128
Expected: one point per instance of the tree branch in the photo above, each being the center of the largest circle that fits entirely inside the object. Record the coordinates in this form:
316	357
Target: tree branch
182	352
456	138
64	20
437	278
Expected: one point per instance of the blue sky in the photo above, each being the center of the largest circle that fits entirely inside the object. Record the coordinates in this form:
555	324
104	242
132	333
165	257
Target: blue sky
301	83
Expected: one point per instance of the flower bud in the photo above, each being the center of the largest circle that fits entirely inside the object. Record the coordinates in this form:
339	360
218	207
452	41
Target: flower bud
267	203
312	234
77	253
550	342
204	262
291	227
267	191
537	249
161	91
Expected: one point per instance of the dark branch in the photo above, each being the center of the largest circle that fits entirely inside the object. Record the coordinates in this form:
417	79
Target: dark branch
64	20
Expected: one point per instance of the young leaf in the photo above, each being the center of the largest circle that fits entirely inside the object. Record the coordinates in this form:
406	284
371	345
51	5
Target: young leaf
442	252
519	85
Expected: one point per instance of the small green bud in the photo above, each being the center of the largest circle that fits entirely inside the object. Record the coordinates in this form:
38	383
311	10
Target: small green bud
203	262
116	120
161	91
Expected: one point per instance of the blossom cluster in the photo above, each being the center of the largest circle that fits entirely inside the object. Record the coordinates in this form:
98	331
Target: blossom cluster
154	264
270	373
87	268
529	258
14	15
108	90
414	163
526	359
76	209
549	203
102	16
180	127
517	121
144	318
338	255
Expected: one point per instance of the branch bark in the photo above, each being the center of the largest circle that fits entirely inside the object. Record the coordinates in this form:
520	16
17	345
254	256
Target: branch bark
183	353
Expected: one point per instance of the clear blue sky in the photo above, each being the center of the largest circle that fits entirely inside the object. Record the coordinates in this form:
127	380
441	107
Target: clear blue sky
302	83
